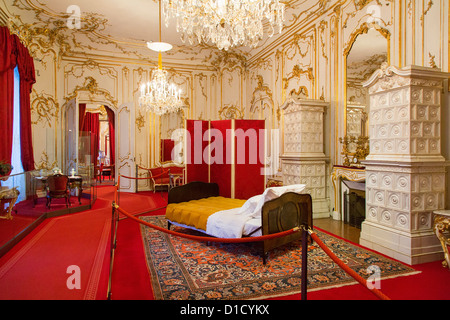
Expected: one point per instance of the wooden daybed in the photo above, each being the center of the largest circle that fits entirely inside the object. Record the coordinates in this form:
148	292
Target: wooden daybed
188	204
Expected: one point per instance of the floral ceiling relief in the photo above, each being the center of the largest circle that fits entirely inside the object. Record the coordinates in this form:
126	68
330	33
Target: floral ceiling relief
35	23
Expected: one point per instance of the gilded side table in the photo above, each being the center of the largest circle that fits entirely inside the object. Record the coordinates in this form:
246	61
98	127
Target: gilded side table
7	196
442	229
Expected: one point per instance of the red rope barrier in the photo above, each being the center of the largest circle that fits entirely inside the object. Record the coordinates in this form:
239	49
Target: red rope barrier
136	178
210	239
152	177
159	175
148	169
341	264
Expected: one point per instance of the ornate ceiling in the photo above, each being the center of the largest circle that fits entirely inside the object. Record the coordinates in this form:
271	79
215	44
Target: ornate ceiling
122	27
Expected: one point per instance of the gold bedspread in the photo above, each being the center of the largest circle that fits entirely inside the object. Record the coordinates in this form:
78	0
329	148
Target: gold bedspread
195	213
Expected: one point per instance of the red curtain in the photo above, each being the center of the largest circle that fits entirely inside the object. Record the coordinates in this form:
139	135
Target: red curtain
25	65
81	114
12	54
92	124
8	60
112	138
106	147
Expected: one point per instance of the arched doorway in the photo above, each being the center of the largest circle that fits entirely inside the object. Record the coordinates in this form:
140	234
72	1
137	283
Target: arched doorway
91	93
97	131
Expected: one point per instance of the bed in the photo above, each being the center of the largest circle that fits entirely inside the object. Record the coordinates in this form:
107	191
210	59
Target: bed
198	206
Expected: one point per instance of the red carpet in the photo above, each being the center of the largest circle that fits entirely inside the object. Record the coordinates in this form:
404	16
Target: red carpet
142	202
130	278
26	212
37	267
11	228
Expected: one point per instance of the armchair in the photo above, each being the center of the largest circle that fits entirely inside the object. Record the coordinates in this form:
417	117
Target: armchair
159	177
167	176
58	187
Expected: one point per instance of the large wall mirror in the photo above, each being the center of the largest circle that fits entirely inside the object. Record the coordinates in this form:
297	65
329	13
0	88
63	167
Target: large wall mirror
171	139
366	51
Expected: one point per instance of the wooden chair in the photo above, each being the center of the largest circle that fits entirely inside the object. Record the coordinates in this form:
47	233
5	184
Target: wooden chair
58	187
107	171
98	172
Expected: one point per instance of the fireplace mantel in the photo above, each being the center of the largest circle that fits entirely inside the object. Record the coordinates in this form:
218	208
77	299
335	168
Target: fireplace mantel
348	173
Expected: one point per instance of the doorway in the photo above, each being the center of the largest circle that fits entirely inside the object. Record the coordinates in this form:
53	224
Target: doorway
97	139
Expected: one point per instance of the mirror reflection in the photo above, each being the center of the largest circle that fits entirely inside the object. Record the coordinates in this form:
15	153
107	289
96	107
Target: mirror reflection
169	136
368	52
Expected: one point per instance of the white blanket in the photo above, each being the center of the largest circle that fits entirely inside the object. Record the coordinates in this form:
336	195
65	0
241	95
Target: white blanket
231	223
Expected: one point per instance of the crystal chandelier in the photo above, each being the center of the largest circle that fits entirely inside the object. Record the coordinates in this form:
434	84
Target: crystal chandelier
158	96
225	23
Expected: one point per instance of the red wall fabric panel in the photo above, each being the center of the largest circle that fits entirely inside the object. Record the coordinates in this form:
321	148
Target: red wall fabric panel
210	156
220	152
196	167
112	135
249	158
167	146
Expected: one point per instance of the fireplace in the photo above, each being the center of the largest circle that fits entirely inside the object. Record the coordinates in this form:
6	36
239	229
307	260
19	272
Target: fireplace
354	203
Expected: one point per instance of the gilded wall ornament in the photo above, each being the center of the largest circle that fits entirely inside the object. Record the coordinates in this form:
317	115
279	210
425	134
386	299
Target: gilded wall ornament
432	61
44	108
297	71
140	120
302	92
91	86
231	112
228	59
44	162
261	88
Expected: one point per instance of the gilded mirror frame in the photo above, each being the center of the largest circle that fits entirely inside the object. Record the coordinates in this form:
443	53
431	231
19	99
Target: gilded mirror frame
361	150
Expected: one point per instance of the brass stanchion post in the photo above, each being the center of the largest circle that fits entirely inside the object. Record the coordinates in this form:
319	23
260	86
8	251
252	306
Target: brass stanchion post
304	276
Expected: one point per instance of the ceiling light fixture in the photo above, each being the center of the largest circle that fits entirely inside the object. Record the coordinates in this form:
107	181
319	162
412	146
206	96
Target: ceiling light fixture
225	23
158	96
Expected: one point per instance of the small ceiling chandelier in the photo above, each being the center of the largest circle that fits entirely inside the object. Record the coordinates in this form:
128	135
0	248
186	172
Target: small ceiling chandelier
158	96
225	23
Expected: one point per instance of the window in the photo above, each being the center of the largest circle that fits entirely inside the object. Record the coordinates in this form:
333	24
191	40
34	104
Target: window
17	179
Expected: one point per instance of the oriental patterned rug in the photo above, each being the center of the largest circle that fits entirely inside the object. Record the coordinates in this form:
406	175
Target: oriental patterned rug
183	269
